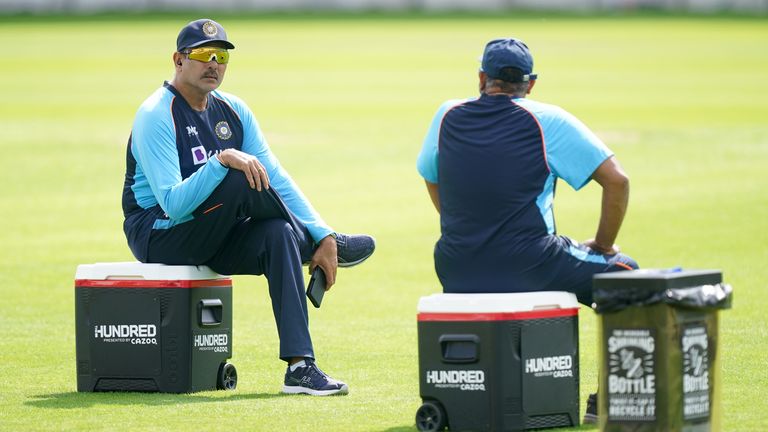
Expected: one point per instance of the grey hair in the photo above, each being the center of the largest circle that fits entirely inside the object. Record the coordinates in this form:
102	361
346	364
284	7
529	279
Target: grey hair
517	88
510	80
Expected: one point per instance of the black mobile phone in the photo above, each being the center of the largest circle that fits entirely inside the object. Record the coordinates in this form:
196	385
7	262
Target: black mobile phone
316	287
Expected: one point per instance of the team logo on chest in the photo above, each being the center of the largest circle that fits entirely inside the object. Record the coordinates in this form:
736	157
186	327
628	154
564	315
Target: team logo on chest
223	131
199	155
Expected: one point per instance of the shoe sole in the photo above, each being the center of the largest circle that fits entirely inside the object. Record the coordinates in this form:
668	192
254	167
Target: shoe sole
345	264
589	419
356	262
304	390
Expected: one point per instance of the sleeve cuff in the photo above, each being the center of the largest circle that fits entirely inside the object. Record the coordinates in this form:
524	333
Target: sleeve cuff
218	167
320	232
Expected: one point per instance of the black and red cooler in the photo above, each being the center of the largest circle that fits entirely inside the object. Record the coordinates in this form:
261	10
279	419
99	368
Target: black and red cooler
152	327
498	362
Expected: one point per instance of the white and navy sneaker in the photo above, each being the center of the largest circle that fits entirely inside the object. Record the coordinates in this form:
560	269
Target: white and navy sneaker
354	248
309	379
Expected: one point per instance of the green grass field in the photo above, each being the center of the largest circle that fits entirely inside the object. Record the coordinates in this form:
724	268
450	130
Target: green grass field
345	103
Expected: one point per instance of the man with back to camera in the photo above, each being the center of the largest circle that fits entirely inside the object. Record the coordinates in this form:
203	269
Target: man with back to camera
491	165
202	187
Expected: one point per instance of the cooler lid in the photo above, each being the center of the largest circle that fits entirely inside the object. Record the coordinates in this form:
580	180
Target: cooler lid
493	303
140	271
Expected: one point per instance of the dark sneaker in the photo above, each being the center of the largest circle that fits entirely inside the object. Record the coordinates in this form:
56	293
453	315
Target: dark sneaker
354	249
590	416
311	380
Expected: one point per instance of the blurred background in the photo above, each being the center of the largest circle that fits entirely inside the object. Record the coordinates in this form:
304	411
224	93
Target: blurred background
706	6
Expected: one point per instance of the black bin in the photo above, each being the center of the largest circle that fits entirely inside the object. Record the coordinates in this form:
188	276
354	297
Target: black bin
498	362
153	328
659	359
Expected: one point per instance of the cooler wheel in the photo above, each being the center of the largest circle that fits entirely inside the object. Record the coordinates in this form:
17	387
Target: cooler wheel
430	417
227	379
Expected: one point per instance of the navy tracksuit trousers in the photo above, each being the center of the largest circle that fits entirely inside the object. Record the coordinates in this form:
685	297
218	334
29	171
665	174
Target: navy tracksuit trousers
239	230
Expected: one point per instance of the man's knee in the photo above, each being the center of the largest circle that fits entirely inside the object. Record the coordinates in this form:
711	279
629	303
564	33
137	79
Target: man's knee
623	262
632	263
235	183
235	190
279	231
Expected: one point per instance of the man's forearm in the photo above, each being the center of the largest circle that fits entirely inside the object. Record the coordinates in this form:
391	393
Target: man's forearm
614	207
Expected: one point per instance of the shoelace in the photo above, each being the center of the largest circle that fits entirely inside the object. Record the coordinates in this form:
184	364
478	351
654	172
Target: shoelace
315	371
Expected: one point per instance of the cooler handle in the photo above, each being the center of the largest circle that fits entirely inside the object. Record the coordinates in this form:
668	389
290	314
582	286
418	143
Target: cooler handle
460	348
209	312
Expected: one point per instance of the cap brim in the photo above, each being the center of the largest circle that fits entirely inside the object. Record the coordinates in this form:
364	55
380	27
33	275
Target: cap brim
227	44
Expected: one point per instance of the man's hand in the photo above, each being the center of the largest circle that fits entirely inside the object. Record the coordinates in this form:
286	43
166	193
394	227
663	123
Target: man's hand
592	244
248	164
326	257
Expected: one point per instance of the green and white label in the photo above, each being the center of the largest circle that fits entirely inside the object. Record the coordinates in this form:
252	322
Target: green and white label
631	375
695	349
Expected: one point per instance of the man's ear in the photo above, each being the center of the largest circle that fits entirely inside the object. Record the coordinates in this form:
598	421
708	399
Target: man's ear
482	77
177	57
531	83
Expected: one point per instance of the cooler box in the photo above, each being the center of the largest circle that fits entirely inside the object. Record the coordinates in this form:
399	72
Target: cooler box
152	327
659	357
500	362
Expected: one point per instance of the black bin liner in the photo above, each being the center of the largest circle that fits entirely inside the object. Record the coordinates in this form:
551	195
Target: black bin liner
613	292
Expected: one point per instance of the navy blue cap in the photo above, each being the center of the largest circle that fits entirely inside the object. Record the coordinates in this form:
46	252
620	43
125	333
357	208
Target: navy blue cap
201	32
503	53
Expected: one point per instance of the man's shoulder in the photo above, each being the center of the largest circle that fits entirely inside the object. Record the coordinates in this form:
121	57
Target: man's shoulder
541	108
158	102
451	103
548	115
233	101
